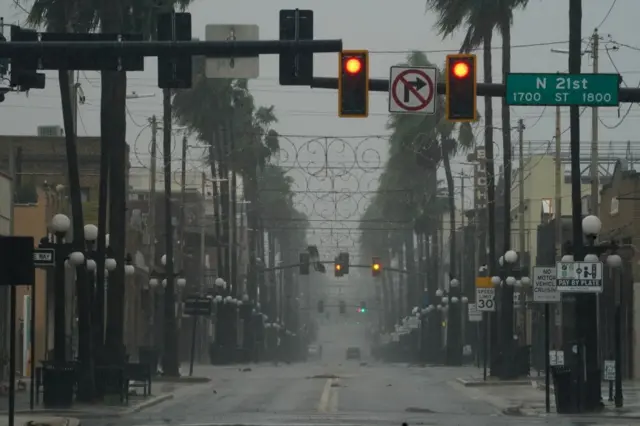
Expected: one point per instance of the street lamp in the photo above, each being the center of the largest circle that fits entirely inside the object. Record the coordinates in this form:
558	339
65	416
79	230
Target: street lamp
615	262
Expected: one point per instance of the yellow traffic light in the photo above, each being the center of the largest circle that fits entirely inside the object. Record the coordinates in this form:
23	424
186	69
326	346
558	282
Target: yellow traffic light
376	266
353	84
461	85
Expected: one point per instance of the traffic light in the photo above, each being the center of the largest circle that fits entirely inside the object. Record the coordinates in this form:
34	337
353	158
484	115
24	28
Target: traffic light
353	84
376	266
296	69
343	307
461	88
337	268
24	75
344	261
174	72
363	307
304	263
320	306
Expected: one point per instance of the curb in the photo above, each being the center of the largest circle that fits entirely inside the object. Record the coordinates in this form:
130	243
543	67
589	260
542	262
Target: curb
475	383
186	380
80	414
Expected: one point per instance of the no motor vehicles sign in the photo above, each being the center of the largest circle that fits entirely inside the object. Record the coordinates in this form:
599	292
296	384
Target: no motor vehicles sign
544	285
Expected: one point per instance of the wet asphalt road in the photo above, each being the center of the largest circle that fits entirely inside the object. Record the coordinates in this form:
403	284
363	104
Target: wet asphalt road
331	391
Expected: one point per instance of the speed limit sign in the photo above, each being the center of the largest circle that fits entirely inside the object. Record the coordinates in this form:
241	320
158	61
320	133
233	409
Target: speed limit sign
486	299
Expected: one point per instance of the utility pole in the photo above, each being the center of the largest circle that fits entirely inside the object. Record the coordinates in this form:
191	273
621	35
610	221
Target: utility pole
151	219
522	249
203	256
595	184
557	207
183	201
462	259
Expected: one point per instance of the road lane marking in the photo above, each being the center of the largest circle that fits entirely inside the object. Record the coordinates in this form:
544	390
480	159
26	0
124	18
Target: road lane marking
325	397
333	404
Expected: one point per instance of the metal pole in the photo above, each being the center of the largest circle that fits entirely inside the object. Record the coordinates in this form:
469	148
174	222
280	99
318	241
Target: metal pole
193	343
595	184
619	400
547	384
32	349
12	356
183	201
522	211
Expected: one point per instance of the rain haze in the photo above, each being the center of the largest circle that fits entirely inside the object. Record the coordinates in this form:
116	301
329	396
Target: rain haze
336	168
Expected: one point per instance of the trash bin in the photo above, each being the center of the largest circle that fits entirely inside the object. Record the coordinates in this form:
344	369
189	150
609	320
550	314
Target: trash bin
58	382
563	390
110	381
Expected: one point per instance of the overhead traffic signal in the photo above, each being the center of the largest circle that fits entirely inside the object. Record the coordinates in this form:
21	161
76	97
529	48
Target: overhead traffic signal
353	84
376	267
344	261
174	71
338	267
296	69
461	83
24	75
363	307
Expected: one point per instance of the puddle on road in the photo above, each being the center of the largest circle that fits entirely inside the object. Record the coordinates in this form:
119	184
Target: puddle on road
324	376
419	410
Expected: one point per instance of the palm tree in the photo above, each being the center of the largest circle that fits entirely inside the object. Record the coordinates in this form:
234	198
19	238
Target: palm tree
58	17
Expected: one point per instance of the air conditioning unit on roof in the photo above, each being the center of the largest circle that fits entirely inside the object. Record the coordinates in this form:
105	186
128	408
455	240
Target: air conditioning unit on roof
50	131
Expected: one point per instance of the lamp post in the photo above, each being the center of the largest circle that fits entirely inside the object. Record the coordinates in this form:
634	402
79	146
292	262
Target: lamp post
615	262
168	278
454	328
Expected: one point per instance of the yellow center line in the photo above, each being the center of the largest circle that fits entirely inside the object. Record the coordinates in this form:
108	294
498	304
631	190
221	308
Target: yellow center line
325	397
333	405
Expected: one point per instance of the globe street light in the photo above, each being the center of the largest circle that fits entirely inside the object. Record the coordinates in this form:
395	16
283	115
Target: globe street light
60	223
110	264
129	270
591	226
90	232
615	262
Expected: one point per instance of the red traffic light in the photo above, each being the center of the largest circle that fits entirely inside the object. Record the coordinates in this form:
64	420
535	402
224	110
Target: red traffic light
353	65
461	69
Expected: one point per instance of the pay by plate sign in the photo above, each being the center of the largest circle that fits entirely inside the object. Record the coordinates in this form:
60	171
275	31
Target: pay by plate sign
544	285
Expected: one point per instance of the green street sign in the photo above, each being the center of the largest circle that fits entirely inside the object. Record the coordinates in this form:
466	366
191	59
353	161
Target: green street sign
595	90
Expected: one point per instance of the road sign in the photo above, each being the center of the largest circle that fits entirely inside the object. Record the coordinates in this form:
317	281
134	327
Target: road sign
556	358
44	257
609	370
517	298
486	299
413	90
579	277
562	89
544	285
197	306
246	67
483	282
474	314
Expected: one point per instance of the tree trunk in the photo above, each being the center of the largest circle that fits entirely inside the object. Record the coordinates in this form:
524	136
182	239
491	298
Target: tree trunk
216	204
491	194
86	382
252	215
170	361
447	149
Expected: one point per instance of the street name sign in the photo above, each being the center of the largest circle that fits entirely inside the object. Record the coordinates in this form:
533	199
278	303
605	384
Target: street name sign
486	299
44	257
412	90
544	285
196	306
245	67
595	90
579	277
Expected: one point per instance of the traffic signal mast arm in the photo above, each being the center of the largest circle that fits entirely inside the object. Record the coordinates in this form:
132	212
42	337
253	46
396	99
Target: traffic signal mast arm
237	49
494	90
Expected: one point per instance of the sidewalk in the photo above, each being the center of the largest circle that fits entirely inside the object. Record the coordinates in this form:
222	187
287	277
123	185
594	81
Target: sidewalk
527	397
163	389
41	421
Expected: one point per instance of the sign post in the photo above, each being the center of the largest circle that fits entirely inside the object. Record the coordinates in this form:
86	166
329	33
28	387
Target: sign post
595	90
545	291
196	306
485	302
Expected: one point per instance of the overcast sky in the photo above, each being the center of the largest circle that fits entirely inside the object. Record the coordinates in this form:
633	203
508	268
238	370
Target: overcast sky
389	29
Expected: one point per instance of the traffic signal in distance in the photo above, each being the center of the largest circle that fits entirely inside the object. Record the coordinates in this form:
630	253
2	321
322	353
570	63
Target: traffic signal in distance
337	268
344	261
461	87
376	266
363	307
343	307
353	84
320	306
304	263
174	72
